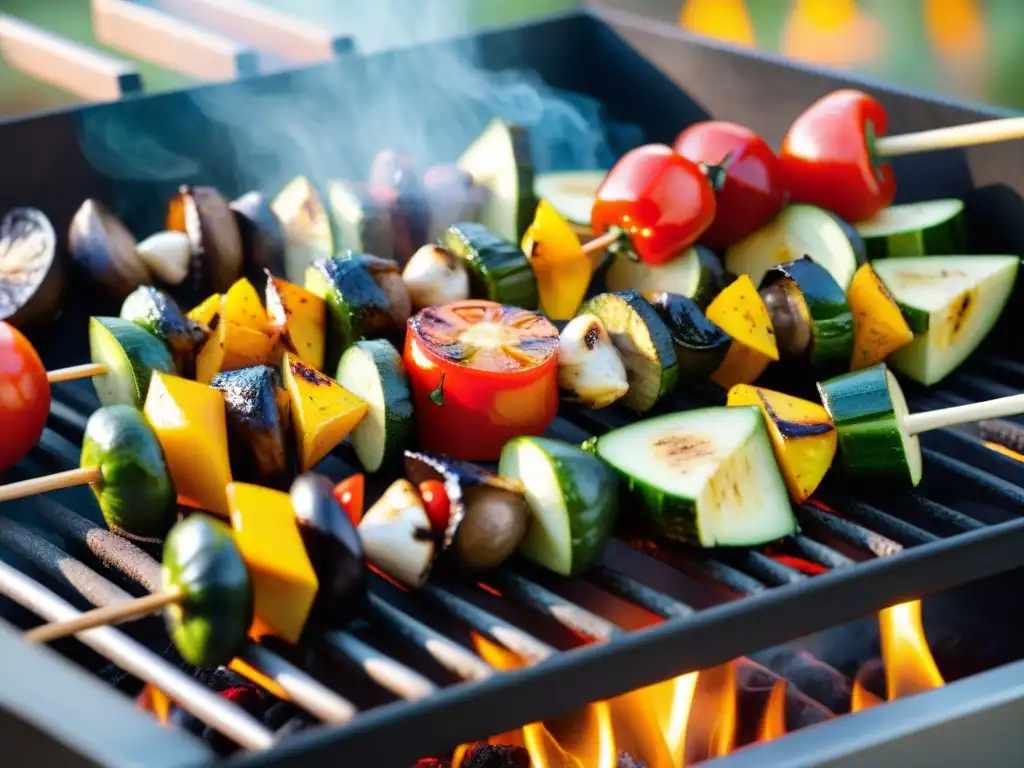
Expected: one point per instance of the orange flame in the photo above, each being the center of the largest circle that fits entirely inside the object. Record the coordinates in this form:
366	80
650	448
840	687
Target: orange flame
155	701
909	665
773	721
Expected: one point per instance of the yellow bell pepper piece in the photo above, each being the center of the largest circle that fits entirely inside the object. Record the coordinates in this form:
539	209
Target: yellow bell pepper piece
879	327
283	580
301	319
323	412
190	422
231	347
204	312
802	434
739	311
561	267
241	306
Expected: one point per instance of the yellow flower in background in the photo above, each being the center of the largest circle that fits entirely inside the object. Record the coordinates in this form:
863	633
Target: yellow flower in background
725	20
834	33
955	27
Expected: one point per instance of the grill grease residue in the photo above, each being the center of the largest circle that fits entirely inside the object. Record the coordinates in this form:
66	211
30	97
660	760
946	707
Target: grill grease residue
681	452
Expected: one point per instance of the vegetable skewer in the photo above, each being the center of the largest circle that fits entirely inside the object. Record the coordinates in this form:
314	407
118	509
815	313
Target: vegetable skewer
115	613
950	137
74	372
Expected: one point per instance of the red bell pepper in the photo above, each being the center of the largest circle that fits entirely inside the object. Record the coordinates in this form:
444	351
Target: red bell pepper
481	373
828	157
660	200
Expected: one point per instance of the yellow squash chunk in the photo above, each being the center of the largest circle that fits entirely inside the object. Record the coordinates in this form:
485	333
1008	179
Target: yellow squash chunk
284	408
879	327
739	311
205	312
300	317
284	583
241	306
561	267
323	412
803	436
231	347
190	422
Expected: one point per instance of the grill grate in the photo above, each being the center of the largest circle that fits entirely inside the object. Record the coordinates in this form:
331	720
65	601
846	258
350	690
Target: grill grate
411	648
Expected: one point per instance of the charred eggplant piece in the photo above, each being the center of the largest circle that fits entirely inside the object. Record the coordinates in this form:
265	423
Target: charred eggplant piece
106	250
258	443
452	197
488	514
263	243
204	215
701	345
31	273
159	314
363	223
395	185
335	552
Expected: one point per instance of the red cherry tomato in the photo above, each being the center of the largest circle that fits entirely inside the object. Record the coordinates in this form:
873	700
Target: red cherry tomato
743	171
435	501
349	494
24	396
827	158
660	199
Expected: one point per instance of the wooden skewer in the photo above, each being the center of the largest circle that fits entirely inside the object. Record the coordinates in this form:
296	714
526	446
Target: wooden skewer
601	242
84	371
54	482
917	423
985	132
115	613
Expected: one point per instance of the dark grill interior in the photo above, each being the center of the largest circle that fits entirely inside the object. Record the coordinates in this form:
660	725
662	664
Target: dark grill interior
397	671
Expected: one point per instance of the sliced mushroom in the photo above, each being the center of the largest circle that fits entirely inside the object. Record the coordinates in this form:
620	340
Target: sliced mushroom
434	276
590	369
104	247
790	318
167	256
31	272
396	535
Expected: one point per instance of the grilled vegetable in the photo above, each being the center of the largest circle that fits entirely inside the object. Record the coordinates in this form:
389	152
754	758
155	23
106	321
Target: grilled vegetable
167	255
452	197
356	306
800	230
263	240
230	347
159	314
241	306
204	215
812	321
323	412
573	498
561	267
701	346
25	406
741	313
299	317
135	491
363	223
590	370
572	193
498	270
394	183
373	371
207	312
257	439
189	420
487	515
802	435
868	409
349	493
499	163
879	328
396	536
307	227
284	583
706	477
334	551
202	560
130	355
31	273
643	341
388	277
100	244
434	276
915	229
950	303
481	373
696	274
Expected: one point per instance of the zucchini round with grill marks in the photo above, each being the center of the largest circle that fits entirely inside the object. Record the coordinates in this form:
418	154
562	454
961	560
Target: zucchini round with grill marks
135	490
156	312
202	561
696	274
701	345
130	354
498	270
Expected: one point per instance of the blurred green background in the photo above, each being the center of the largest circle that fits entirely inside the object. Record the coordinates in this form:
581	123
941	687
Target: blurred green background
966	48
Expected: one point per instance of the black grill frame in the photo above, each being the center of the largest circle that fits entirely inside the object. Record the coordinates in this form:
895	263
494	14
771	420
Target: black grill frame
746	88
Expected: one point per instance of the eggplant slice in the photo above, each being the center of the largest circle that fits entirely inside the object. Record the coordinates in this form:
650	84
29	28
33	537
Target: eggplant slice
106	250
31	273
204	215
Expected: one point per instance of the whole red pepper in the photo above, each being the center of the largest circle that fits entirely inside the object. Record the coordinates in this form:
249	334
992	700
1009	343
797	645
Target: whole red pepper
659	199
744	173
828	157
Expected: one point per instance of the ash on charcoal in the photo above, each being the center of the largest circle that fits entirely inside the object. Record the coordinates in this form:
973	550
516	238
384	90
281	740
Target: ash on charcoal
491	756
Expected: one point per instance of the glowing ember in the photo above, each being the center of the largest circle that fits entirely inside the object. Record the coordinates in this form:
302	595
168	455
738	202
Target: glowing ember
773	721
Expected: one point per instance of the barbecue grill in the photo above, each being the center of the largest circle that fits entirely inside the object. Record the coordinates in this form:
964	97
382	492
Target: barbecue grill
409	684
